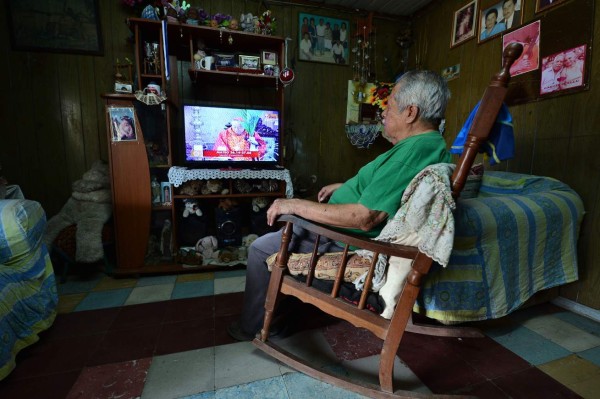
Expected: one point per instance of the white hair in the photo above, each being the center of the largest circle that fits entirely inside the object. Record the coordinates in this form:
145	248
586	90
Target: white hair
426	90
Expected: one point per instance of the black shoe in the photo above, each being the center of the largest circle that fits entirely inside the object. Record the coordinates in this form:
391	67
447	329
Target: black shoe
236	332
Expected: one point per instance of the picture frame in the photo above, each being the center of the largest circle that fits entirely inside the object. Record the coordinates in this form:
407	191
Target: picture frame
564	71
122	123
451	72
489	22
543	5
529	37
269	58
464	24
249	61
317	47
165	193
57	26
225	60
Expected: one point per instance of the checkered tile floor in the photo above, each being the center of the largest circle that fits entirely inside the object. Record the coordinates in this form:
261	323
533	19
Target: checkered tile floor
165	337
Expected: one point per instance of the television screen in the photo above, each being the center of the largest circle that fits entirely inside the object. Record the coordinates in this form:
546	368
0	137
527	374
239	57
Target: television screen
235	135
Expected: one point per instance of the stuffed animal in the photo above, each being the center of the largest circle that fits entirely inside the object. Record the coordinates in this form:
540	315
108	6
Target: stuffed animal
259	203
243	186
191	187
191	208
207	246
249	239
89	207
214	187
227	255
227	204
247	22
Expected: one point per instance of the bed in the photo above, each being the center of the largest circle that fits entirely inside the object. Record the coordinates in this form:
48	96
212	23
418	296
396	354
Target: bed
488	276
28	296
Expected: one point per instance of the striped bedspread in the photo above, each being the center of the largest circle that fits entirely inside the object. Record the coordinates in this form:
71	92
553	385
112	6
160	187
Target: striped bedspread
28	296
517	237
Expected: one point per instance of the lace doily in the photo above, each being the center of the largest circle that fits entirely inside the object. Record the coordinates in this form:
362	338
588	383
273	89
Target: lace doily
179	175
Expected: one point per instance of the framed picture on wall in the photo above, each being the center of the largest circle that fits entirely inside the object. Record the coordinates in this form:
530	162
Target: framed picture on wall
529	37
323	39
489	22
122	123
543	5
60	26
564	70
465	24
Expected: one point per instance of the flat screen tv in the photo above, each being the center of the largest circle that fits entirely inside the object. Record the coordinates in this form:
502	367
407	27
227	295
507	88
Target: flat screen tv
216	136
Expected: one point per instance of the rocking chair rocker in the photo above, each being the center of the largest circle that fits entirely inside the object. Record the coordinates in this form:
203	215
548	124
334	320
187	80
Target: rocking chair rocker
390	331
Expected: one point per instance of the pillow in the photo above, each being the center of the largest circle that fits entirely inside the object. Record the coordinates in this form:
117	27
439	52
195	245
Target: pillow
327	265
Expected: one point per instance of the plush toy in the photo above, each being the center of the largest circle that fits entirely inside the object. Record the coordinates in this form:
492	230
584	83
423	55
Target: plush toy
259	203
227	255
214	187
89	207
207	246
191	187
249	239
247	22
227	204
191	208
242	186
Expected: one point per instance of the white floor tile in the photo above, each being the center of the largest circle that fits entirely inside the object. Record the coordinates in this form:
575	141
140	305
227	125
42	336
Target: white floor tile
562	333
230	284
240	363
367	370
151	293
180	374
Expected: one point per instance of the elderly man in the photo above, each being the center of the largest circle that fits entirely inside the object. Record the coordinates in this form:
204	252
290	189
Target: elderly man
363	203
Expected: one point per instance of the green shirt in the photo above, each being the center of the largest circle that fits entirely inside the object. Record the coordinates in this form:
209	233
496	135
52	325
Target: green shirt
379	185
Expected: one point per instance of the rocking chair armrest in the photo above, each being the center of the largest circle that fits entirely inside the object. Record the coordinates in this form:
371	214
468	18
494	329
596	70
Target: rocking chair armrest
350	239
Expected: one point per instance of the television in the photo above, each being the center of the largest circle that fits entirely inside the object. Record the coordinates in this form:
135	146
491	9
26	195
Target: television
218	136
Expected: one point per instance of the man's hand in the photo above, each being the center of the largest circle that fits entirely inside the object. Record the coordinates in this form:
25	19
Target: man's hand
279	207
325	192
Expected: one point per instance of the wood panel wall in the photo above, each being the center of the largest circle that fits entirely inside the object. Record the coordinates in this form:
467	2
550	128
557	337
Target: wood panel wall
557	137
54	125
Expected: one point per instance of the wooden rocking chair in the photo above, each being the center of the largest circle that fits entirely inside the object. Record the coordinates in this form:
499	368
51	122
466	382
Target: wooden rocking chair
390	331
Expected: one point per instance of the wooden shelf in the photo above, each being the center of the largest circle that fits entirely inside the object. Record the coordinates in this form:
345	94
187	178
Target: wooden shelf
226	77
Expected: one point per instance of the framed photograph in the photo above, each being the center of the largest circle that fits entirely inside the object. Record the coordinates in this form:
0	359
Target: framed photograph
323	39
225	60
564	70
249	62
269	58
122	123
60	26
451	73
465	24
165	192
543	5
529	37
489	22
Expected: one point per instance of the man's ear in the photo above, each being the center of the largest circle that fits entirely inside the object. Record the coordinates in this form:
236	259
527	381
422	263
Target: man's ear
412	114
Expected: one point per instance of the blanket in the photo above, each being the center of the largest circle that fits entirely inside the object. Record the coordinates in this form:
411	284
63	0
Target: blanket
424	220
518	237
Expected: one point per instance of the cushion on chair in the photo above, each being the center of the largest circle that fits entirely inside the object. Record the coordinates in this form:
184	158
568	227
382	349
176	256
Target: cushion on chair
327	265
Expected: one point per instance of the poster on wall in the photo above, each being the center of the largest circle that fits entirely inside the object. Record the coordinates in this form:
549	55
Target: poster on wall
564	70
464	25
529	37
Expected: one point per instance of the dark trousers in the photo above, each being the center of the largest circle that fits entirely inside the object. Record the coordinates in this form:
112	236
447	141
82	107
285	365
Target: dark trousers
258	275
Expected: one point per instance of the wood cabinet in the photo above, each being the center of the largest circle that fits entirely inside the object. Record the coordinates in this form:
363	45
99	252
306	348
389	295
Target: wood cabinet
141	226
